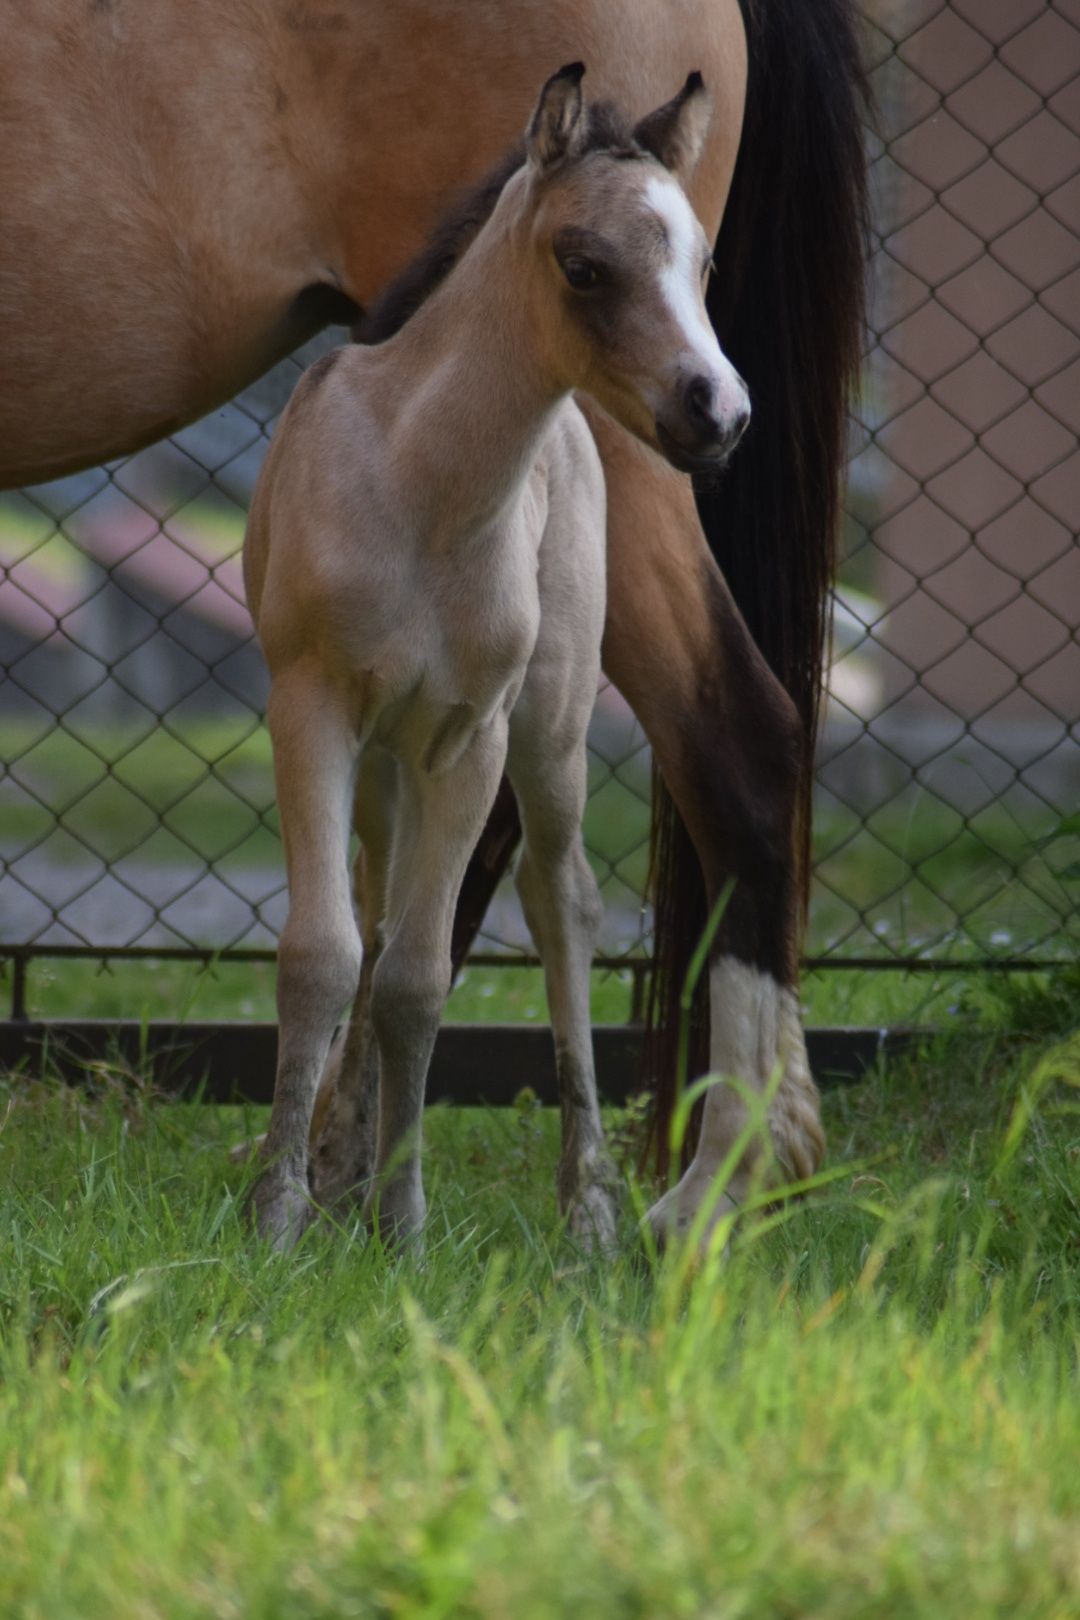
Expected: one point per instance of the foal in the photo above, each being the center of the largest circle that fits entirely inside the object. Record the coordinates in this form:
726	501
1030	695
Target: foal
425	567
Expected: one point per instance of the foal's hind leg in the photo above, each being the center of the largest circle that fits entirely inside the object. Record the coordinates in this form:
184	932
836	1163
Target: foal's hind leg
729	745
563	909
319	950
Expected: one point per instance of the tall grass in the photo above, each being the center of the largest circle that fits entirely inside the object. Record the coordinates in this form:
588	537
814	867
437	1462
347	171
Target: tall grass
867	1407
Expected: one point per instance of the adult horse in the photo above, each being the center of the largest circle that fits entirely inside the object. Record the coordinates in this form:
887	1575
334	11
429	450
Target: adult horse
188	190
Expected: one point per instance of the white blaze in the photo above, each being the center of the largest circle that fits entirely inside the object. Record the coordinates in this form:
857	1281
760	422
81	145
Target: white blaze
680	283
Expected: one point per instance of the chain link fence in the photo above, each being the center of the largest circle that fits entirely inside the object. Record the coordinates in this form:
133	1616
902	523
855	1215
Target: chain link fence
136	795
949	777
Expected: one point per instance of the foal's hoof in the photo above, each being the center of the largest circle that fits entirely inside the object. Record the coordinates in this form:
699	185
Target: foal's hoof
398	1214
241	1152
674	1216
592	1219
281	1209
339	1182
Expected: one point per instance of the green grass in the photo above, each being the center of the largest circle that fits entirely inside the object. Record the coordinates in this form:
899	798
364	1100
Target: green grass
245	990
868	1408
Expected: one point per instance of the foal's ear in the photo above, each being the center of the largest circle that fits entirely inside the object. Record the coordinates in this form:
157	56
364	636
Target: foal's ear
556	125
675	132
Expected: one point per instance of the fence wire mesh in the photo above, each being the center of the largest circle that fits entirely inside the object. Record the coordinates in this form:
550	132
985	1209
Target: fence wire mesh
136	796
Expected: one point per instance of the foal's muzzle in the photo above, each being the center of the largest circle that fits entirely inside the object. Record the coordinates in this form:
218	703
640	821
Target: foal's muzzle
697	432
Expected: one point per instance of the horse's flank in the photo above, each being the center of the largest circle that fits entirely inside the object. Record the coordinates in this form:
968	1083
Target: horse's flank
208	184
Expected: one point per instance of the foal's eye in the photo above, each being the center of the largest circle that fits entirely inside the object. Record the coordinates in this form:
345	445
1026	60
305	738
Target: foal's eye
580	273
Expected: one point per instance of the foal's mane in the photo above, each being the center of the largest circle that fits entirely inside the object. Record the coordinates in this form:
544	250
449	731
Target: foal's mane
606	130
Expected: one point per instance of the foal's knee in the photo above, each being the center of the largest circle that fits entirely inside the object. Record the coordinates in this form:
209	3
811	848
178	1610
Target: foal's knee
318	970
407	999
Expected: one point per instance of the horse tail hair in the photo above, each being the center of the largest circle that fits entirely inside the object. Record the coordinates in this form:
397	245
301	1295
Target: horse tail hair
787	303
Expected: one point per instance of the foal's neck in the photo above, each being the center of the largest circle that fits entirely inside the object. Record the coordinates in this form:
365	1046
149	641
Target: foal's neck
470	396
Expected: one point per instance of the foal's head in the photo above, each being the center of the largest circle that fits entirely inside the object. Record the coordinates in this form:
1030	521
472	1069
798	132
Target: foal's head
621	262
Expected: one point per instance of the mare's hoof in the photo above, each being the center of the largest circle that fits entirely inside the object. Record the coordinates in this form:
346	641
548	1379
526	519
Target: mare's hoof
281	1209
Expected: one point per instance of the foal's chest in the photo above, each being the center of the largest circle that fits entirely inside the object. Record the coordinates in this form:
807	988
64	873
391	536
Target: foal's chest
448	646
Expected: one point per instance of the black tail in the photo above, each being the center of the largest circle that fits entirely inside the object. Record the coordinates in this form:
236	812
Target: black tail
787	303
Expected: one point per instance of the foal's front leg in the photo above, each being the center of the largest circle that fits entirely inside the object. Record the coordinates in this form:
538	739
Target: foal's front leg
563	909
346	1112
411	980
319	951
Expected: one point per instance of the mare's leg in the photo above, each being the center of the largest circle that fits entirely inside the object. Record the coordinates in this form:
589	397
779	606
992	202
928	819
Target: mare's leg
563	909
730	746
346	1111
486	868
411	979
319	950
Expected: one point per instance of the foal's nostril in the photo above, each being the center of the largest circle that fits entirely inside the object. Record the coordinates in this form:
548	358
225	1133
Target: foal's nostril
699	404
721	429
702	426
